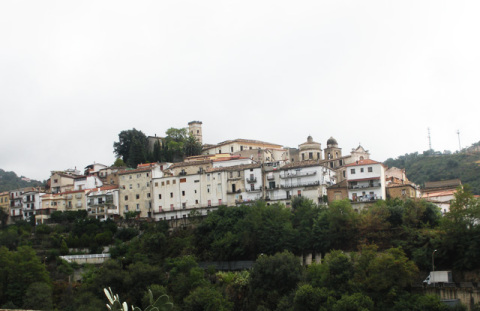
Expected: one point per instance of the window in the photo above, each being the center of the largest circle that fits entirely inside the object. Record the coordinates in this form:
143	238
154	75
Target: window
370	169
137	196
231	149
238	173
160	196
183	180
126	208
148	184
183	193
184	205
163	183
138	207
361	170
126	198
171	194
241	148
219	150
130	186
148	195
130	177
139	175
196	201
138	185
303	156
174	182
231	174
343	174
147	174
156	184
352	171
310	155
168	182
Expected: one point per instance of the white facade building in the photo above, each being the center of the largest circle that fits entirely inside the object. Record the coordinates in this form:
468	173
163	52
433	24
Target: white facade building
366	181
103	203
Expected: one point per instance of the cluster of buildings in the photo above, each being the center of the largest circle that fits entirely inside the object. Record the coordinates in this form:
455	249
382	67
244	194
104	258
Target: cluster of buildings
230	173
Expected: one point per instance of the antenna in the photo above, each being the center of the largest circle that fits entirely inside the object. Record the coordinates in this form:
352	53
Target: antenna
459	145
429	140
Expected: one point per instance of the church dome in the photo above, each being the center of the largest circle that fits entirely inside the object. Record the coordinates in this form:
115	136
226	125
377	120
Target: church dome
309	139
332	141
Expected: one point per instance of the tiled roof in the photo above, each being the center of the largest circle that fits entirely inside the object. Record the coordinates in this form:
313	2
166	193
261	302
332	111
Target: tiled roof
397	185
342	184
304	164
184	164
443	184
241	140
138	170
233	168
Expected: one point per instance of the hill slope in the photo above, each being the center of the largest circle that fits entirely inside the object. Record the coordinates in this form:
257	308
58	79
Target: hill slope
10	181
434	167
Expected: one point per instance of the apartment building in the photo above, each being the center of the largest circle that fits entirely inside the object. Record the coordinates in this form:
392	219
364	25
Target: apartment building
103	203
366	181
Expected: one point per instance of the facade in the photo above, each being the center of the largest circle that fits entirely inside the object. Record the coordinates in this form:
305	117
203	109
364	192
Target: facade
136	190
308	179
109	175
441	193
103	203
61	181
5	202
239	145
195	129
310	150
31	200
86	182
338	191
16	205
365	181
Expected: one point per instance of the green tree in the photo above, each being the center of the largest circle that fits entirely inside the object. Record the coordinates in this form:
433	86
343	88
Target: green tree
192	146
206	298
132	147
273	277
354	302
38	296
119	163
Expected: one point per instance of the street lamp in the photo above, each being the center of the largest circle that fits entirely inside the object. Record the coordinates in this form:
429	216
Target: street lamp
433	260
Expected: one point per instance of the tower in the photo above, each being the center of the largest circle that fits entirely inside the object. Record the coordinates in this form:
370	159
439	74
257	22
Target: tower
195	128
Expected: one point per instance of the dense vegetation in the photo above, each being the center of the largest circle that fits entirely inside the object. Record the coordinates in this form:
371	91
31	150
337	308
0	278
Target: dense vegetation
370	259
10	181
433	166
132	147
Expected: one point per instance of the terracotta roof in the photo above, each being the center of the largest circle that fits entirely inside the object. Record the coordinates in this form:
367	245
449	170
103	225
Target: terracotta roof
443	183
305	164
342	184
240	140
397	185
109	187
438	193
363	162
138	170
233	168
183	164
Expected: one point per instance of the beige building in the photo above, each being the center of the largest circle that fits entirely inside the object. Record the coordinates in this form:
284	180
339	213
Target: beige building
61	182
136	191
310	150
5	202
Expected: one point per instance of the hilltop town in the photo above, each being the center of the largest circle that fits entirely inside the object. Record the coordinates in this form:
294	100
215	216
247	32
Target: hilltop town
230	173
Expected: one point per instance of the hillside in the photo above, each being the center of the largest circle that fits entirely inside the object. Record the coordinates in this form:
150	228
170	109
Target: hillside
434	166
10	181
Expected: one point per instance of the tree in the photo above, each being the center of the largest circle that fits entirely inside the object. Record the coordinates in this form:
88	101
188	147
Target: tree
119	163
206	298
273	277
38	296
132	147
174	144
192	146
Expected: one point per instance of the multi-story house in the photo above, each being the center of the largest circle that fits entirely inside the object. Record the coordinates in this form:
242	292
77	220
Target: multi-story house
103	203
109	175
366	181
16	205
136	190
5	202
31	202
86	182
308	179
61	181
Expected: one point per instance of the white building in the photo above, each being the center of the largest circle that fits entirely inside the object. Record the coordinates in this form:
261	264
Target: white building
366	181
103	203
308	179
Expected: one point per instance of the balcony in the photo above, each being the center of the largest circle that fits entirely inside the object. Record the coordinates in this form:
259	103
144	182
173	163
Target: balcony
304	184
234	192
251	180
254	189
365	186
367	198
297	174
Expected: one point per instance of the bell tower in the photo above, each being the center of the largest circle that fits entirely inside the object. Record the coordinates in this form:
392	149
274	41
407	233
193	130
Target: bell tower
195	128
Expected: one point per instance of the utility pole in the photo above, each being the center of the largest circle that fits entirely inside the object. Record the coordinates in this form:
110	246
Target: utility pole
429	140
459	145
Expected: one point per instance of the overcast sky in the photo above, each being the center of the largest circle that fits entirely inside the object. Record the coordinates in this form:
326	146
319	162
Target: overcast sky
73	74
